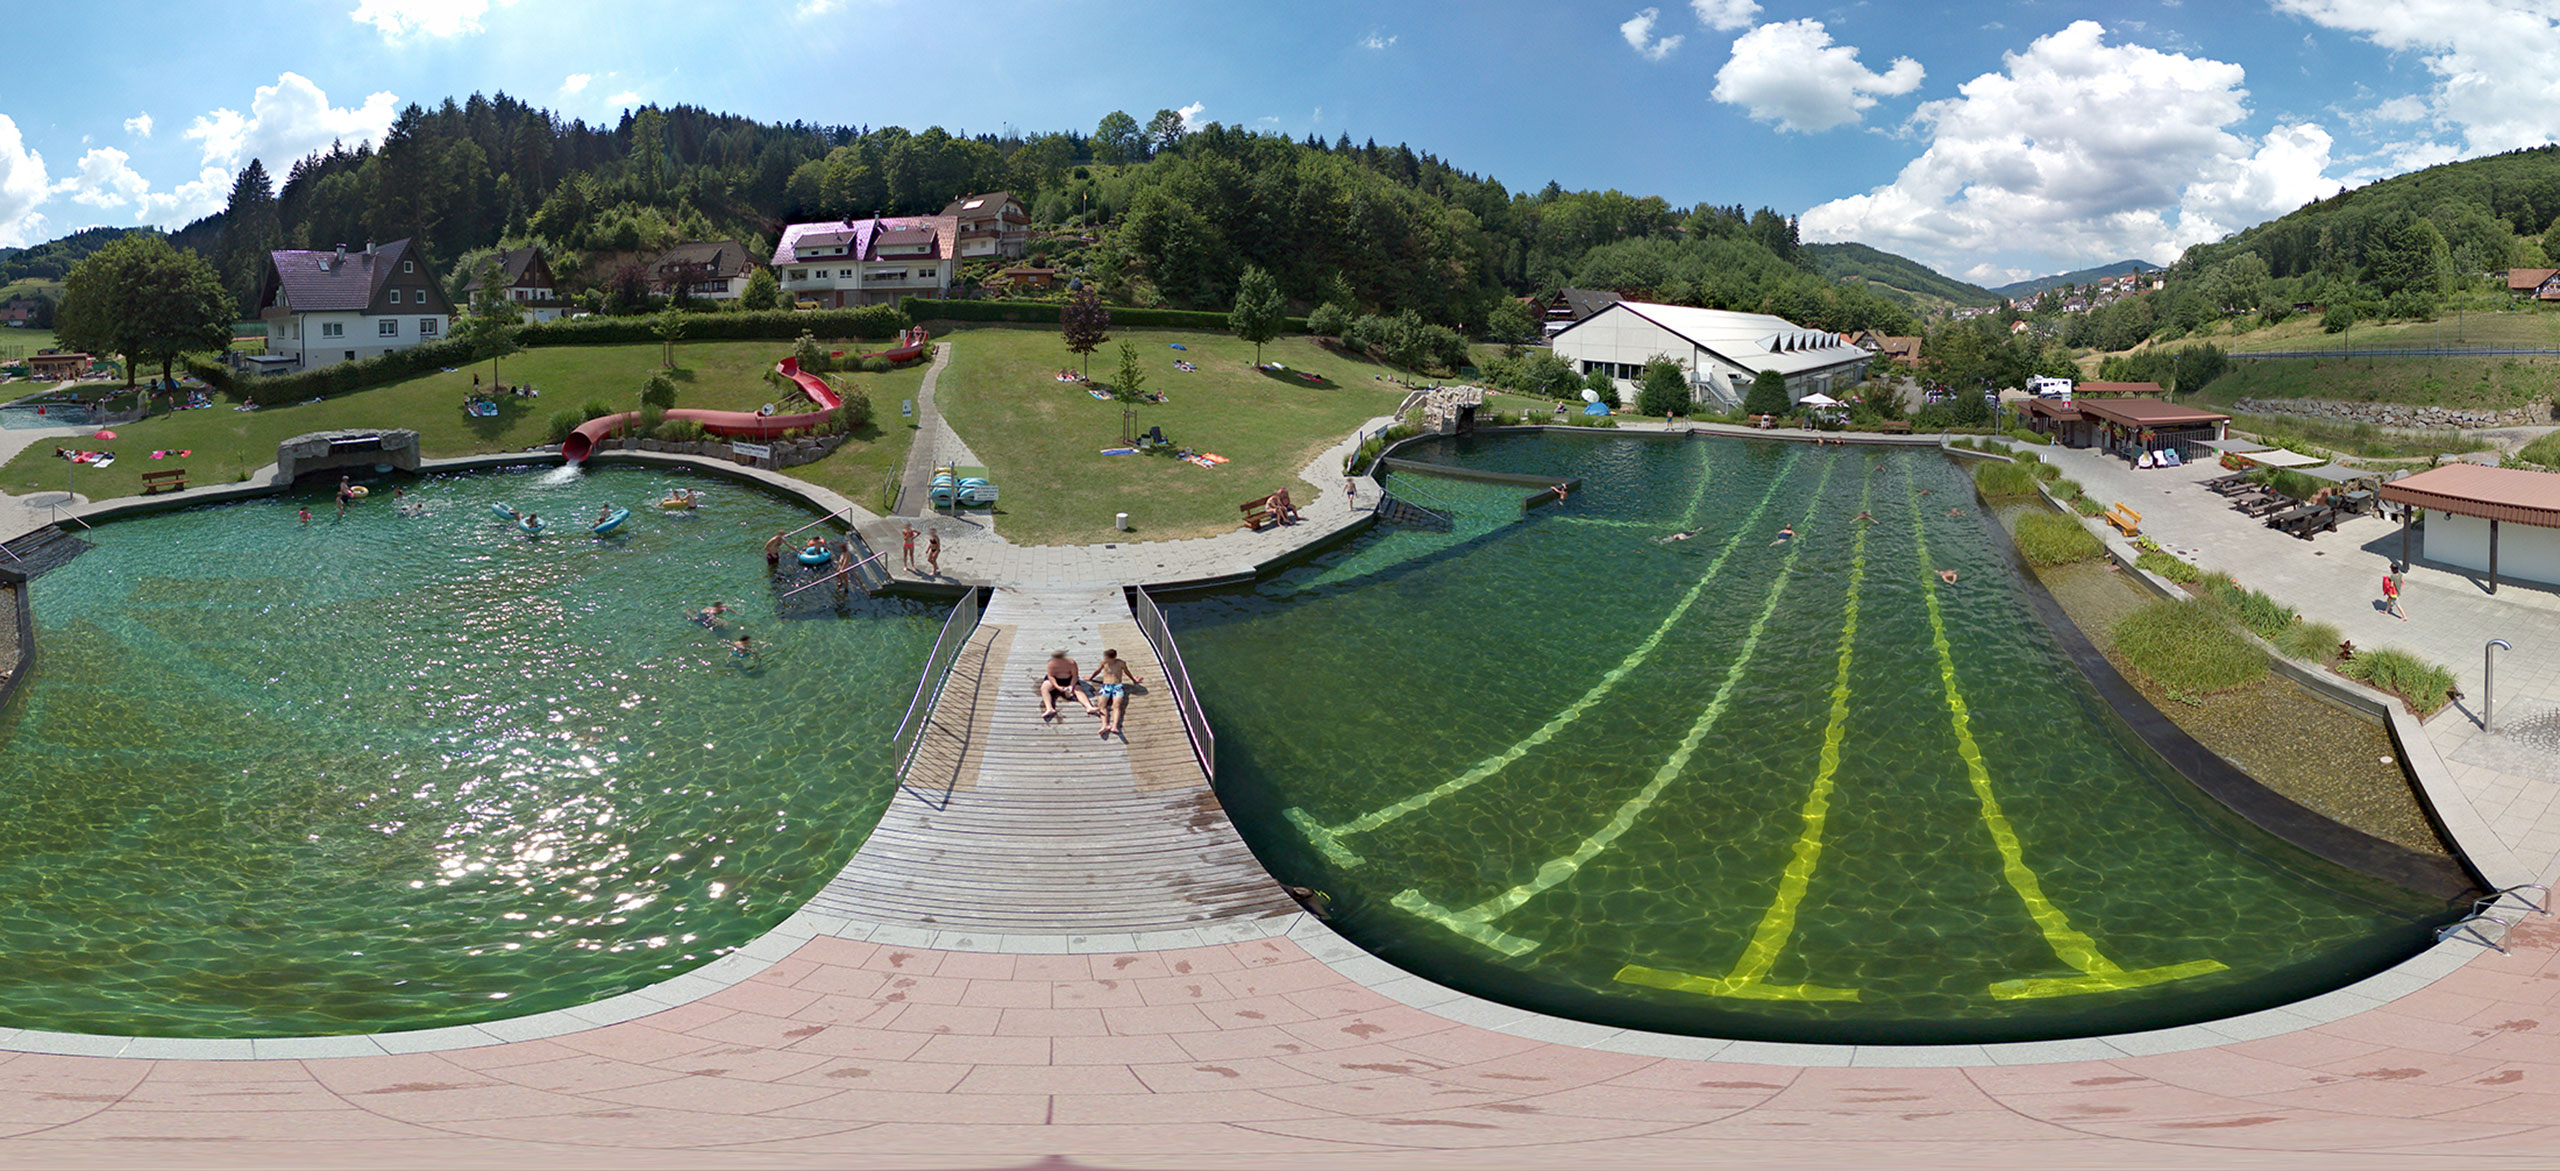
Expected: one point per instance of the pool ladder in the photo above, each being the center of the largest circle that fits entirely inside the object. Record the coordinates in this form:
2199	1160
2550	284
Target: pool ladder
2470	926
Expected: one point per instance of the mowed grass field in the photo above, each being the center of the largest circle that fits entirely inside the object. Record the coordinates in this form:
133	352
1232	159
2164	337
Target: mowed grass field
2490	383
227	444
21	342
1043	439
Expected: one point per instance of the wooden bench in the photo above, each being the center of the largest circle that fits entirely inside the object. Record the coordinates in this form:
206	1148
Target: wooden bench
170	480
1764	421
1257	513
2125	519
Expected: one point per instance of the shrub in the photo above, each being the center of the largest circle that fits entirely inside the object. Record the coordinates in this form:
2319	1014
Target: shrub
1046	313
2005	479
1768	394
2169	567
2067	490
873	322
2033	438
1328	320
2544	452
2266	616
2312	641
659	393
679	431
856	411
2425	685
2051	539
348	377
564	422
649	421
2047	472
2085	506
2188	649
595	408
2338	318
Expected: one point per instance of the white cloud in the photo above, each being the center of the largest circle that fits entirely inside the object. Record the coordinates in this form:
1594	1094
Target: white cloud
1377	41
436	18
628	97
2491	60
2081	152
575	82
189	201
1639	33
139	125
285	122
1191	116
1791	74
106	178
23	186
1725	15
810	8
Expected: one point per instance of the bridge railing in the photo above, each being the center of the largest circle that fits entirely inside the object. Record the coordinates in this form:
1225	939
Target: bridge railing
1151	623
956	630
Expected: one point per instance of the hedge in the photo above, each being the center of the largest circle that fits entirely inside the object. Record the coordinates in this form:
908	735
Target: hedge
879	322
349	377
1046	313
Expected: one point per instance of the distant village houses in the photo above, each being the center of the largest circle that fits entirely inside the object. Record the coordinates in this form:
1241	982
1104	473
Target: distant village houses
526	284
708	270
845	263
990	226
2534	284
323	308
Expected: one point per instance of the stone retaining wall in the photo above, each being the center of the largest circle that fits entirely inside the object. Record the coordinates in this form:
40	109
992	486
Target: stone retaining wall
786	453
2395	414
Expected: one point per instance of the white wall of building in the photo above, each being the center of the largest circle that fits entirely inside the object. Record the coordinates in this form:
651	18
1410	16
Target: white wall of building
326	339
2525	552
1627	342
888	280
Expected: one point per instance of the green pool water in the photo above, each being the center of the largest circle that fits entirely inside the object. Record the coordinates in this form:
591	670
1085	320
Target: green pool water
389	772
1738	786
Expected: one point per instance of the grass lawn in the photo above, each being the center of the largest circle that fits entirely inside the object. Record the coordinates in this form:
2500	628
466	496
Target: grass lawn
228	443
21	342
1042	439
2492	383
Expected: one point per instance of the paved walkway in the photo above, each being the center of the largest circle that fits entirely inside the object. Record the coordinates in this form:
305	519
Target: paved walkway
2511	776
1009	823
935	443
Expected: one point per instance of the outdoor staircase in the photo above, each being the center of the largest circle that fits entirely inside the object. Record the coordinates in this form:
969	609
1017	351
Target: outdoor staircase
1395	510
42	551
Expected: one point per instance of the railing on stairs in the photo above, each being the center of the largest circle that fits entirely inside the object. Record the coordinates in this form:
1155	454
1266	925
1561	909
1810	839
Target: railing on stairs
1177	678
1394	510
956	631
2473	927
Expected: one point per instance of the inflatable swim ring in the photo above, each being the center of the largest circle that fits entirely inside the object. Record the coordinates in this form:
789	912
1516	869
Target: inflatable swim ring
610	523
679	502
359	492
820	556
504	512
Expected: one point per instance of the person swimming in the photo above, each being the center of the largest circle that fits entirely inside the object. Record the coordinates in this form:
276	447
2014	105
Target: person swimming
744	648
1865	517
713	614
1947	575
1682	535
1785	535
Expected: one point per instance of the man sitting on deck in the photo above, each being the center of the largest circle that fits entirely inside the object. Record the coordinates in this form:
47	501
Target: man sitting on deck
1062	678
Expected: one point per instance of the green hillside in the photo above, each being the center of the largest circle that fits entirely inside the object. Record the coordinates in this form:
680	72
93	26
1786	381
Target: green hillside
2017	290
1904	280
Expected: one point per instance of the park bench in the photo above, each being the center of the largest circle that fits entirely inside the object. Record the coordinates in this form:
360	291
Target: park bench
170	480
2125	519
1257	513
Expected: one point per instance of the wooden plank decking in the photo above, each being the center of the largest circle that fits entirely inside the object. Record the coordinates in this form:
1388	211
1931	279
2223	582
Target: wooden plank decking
1012	824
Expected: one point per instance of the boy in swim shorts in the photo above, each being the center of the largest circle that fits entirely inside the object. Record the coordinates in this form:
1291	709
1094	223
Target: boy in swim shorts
1114	678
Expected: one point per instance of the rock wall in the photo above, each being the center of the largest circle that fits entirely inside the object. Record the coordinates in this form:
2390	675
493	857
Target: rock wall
786	453
2395	414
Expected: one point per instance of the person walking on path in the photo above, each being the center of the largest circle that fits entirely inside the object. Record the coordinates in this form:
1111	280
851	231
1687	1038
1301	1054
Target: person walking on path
2391	592
908	534
1112	679
933	554
1351	493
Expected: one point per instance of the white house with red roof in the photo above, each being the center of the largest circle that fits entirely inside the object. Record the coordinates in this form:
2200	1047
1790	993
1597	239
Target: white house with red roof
322	308
846	263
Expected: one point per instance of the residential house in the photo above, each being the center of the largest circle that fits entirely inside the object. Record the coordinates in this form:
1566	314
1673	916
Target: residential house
1905	350
1572	305
322	308
711	270
990	226
868	262
1029	277
525	281
18	312
1722	351
2538	284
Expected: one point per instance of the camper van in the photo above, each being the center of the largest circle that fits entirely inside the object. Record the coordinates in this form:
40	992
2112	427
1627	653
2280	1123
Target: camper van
2043	387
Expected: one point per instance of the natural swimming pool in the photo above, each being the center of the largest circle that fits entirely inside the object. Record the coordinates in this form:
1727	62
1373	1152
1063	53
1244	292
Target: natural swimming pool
1799	789
393	772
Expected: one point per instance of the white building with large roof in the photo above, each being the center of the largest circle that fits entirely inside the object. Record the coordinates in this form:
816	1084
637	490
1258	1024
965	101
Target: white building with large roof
1722	350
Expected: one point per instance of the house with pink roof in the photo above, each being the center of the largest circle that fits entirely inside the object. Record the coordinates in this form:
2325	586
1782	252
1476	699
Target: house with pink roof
845	263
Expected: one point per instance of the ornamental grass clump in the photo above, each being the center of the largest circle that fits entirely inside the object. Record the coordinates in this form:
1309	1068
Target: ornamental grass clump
2190	650
2169	567
2051	539
2316	642
2425	685
2005	479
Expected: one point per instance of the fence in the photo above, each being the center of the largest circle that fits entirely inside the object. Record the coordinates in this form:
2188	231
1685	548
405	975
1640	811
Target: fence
956	630
1204	743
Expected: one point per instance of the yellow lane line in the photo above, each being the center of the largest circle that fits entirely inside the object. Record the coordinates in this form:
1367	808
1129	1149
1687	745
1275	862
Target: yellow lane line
1328	838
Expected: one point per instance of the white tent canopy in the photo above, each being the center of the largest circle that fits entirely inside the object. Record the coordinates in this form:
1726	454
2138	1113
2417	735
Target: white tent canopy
2282	459
1818	399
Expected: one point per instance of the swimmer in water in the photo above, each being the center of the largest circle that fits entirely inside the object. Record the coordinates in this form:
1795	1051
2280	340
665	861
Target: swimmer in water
713	614
1682	535
1955	512
1865	517
1785	535
1947	575
742	648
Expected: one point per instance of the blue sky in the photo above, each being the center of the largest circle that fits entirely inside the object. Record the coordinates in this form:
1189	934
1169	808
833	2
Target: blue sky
1992	139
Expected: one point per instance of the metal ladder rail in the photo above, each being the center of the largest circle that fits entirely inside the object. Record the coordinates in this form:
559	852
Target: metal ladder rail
2469	925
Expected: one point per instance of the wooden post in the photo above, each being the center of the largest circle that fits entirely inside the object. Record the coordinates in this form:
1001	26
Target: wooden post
2493	558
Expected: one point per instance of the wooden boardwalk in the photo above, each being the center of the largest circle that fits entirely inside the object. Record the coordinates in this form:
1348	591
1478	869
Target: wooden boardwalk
1012	824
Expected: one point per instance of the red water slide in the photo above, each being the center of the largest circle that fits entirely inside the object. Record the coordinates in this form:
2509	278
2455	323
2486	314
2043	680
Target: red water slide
747	424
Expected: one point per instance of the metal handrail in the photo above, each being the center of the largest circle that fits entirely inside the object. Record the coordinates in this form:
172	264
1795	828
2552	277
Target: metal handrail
815	523
1186	702
847	570
963	622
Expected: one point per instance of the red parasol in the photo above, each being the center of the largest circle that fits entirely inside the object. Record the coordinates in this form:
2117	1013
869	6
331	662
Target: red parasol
104	435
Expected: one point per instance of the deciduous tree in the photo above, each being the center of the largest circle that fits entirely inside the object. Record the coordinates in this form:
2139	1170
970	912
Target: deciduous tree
1131	381
1258	310
1086	323
140	298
